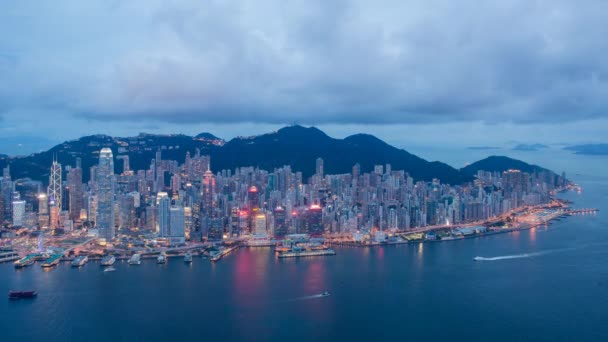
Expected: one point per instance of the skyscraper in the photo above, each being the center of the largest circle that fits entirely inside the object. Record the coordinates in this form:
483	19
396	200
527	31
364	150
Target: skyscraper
75	194
280	222
319	167
177	224
18	213
105	198
54	190
208	191
164	219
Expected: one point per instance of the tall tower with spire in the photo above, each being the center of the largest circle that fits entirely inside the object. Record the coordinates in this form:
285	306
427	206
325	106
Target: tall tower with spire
54	189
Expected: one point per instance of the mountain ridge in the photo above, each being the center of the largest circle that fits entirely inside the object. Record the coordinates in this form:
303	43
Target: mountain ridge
297	146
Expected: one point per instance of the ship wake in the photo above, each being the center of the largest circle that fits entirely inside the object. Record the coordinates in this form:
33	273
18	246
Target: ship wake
304	298
520	256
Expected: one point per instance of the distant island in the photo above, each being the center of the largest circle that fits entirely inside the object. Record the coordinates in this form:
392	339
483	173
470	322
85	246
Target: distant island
589	149
483	148
529	147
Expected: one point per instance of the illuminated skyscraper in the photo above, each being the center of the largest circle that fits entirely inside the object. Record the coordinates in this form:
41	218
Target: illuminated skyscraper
54	189
164	219
280	222
208	191
18	213
105	197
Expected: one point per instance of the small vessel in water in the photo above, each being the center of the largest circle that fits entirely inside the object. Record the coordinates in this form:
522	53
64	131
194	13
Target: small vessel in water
188	257
162	258
325	294
108	260
135	259
109	269
22	294
478	258
80	261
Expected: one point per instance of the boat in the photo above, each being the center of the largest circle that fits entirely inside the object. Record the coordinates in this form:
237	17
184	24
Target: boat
135	259
80	261
108	260
109	269
161	259
188	257
325	294
478	258
22	294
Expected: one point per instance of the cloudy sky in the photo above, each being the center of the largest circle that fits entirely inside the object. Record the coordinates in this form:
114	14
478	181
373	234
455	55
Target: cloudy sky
412	72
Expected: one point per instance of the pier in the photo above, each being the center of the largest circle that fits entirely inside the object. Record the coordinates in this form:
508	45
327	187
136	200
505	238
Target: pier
295	254
9	256
52	260
220	254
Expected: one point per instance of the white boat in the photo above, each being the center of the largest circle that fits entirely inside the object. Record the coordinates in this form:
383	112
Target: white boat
325	294
108	260
478	258
188	257
161	259
109	269
135	259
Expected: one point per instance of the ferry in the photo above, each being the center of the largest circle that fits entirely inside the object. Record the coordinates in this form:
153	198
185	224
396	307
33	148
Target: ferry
135	259
109	269
161	259
188	257
108	260
80	261
22	294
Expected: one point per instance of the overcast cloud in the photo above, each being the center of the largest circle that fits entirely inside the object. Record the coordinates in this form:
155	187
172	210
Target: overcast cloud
312	62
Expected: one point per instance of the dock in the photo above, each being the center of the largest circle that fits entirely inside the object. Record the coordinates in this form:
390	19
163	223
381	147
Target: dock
52	260
219	255
297	254
29	260
9	256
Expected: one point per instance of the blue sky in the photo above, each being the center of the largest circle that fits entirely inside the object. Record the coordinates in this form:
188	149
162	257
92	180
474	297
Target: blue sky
411	72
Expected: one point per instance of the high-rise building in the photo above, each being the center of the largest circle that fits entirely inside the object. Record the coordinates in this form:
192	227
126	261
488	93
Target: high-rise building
319	167
259	224
312	221
208	191
177	224
253	198
280	222
18	213
105	197
164	219
76	192
55	191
